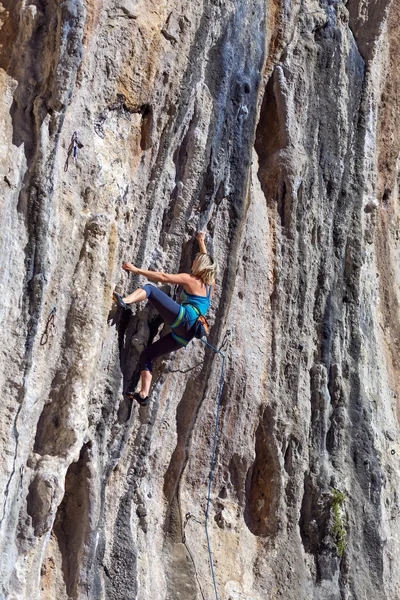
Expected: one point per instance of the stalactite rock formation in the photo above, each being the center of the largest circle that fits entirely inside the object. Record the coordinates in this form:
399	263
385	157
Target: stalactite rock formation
274	128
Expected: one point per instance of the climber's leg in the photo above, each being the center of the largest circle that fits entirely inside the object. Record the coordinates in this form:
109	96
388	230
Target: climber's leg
137	296
145	381
165	306
163	346
168	308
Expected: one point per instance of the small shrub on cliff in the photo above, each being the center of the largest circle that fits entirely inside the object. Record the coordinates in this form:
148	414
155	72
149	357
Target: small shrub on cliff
338	531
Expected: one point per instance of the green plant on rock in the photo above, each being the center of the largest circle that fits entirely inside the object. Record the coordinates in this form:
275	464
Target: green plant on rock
338	531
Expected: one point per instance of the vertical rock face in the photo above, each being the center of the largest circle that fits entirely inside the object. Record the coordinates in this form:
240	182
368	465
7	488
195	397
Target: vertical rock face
275	128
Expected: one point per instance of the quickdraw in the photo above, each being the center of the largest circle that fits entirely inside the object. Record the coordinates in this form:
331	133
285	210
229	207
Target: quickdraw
73	149
50	326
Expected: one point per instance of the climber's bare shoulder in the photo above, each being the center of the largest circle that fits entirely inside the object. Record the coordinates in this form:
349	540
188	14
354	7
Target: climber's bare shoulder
195	286
176	278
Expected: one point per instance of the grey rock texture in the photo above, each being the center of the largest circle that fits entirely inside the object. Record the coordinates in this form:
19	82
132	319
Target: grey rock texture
274	127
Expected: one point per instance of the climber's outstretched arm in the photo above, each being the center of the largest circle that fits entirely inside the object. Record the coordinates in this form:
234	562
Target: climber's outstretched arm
173	278
200	240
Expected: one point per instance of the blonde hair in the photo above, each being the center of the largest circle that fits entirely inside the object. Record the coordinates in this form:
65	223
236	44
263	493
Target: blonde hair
205	269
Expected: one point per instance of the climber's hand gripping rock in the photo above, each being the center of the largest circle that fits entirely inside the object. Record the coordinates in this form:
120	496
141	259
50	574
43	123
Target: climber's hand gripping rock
129	267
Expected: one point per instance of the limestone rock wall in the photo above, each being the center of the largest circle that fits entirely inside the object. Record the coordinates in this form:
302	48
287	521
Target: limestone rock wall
274	127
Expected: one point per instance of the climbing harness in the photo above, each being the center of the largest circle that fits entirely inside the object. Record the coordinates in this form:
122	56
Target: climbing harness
50	323
73	149
221	381
202	326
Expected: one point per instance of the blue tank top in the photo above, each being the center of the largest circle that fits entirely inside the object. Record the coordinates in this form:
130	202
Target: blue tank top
202	303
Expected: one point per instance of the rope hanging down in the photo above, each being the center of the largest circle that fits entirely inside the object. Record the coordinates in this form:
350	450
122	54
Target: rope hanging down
221	381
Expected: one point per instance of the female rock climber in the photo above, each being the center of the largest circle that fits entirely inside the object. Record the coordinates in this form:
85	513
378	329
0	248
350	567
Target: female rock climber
198	289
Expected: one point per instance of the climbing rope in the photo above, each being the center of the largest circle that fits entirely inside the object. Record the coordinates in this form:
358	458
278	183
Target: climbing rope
189	517
163	420
221	381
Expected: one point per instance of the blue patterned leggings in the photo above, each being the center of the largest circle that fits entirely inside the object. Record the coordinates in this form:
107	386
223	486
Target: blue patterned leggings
169	310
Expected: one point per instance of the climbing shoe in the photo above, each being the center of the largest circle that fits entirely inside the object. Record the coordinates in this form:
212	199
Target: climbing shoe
136	396
119	301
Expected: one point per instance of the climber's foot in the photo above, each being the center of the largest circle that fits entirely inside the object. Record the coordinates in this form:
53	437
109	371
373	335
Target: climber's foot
139	398
118	299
